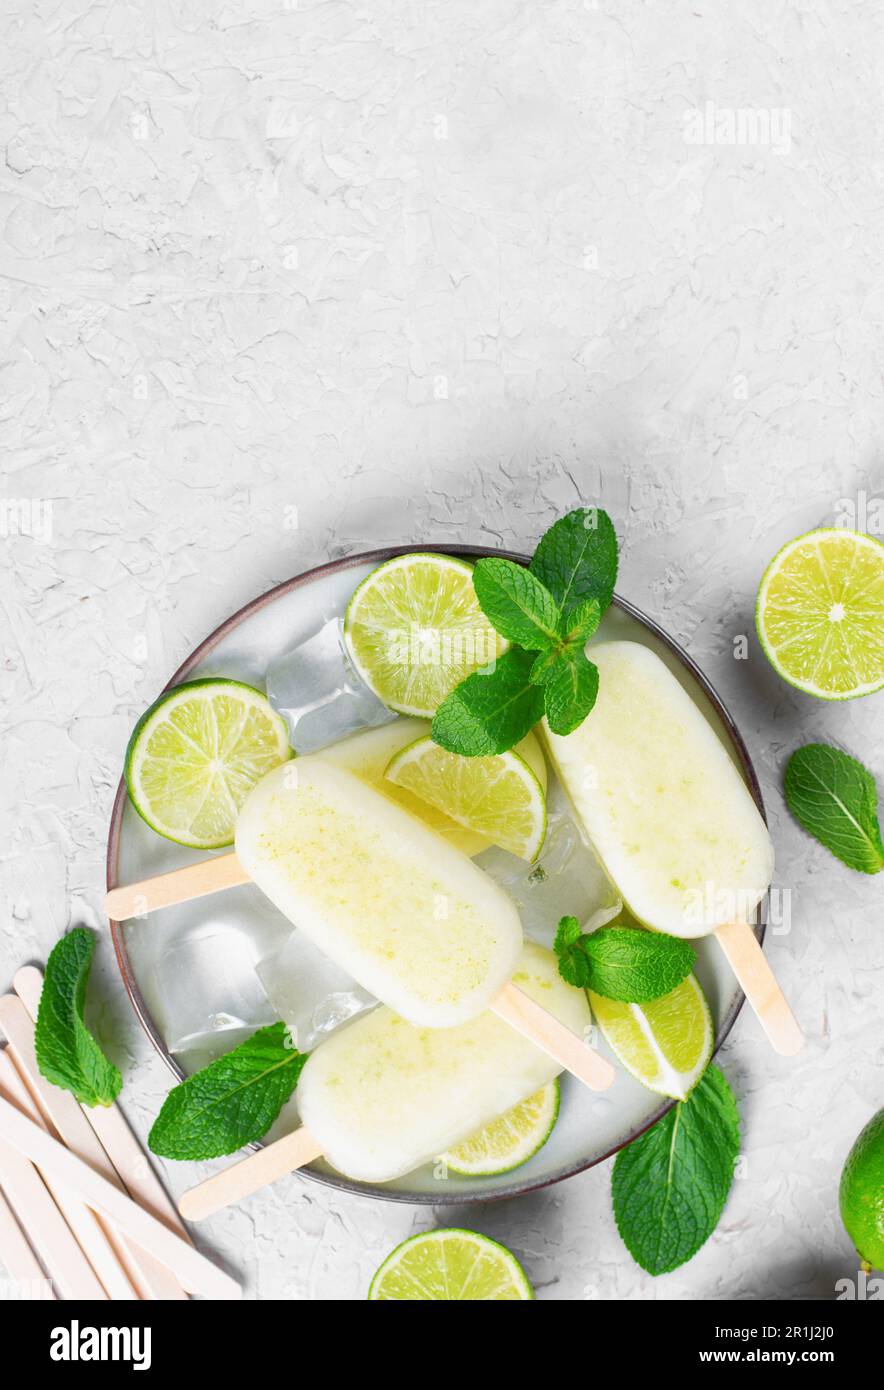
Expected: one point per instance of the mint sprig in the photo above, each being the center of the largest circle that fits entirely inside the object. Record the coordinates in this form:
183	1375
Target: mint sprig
576	559
490	711
670	1185
518	604
622	962
67	1053
231	1102
549	612
835	799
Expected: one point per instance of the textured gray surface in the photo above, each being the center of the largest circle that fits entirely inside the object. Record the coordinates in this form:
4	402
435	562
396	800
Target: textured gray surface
284	281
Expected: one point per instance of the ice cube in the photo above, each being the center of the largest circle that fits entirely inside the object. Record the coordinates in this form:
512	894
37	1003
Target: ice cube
310	992
207	986
319	694
566	880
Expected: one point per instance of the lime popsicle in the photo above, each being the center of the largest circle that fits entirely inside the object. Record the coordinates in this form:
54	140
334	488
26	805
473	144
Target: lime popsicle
402	911
381	1097
671	818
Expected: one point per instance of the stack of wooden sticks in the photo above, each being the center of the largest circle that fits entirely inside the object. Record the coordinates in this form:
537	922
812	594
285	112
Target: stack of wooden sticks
82	1214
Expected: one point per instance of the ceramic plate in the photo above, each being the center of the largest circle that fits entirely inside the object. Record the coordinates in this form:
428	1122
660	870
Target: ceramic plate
590	1128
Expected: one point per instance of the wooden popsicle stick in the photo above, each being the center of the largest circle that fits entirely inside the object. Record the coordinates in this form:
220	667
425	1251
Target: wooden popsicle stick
512	1004
196	1273
19	1260
82	1220
108	1122
150	1279
249	1175
49	1233
178	886
752	968
548	1033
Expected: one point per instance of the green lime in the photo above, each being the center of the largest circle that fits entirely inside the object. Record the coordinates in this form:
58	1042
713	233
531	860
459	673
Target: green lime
665	1043
414	630
367	754
500	796
510	1140
196	754
450	1266
861	1194
820	613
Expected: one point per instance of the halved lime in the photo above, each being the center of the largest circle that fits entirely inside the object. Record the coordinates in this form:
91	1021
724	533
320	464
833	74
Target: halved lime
450	1266
414	630
665	1043
499	795
196	754
510	1140
820	613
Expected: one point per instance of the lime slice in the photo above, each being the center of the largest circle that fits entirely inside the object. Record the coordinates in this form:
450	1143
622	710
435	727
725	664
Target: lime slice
861	1194
820	613
367	754
196	754
500	795
510	1140
665	1043
414	629
450	1266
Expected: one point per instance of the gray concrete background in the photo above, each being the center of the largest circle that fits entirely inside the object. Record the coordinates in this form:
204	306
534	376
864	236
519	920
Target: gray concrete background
283	281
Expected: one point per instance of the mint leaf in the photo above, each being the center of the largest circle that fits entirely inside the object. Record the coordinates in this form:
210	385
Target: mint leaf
581	622
67	1053
490	711
634	965
577	558
231	1102
835	799
568	946
570	688
669	1186
518	604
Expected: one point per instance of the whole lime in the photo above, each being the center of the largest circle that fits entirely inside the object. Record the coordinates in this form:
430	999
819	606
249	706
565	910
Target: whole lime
861	1195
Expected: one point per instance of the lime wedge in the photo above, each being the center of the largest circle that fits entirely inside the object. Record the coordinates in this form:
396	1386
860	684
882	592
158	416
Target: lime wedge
450	1266
196	754
414	630
510	1140
665	1043
500	795
820	613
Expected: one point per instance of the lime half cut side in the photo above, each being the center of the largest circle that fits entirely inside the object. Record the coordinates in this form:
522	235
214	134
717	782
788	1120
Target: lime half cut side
414	630
664	1043
450	1266
510	1140
501	796
196	754
820	613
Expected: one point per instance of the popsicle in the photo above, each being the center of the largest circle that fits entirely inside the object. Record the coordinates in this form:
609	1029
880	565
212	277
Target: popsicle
402	911
671	818
380	1097
408	915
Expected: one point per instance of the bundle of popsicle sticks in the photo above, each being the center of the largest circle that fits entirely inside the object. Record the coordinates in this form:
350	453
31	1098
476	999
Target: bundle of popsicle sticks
82	1214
